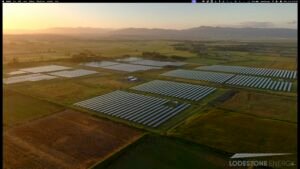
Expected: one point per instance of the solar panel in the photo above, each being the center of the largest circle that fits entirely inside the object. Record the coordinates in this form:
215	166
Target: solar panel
73	73
259	82
199	75
99	64
130	67
48	68
145	110
157	63
231	79
129	59
119	66
251	71
24	78
176	89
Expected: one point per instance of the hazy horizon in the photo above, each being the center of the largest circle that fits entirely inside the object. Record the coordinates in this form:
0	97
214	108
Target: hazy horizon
35	16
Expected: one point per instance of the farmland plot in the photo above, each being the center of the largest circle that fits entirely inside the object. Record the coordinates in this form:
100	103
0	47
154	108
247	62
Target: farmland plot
65	140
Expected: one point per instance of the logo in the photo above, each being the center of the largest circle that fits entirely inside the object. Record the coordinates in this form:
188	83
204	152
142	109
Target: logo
240	160
251	155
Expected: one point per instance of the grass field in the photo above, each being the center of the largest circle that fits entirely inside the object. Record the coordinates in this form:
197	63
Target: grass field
268	62
263	105
68	91
154	151
237	132
39	134
65	140
42	50
256	54
19	108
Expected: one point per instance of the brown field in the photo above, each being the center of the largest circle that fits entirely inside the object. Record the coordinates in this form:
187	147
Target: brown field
67	140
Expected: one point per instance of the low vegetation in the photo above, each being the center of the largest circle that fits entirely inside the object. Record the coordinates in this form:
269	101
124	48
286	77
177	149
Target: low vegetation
237	132
19	108
263	105
65	140
39	134
168	153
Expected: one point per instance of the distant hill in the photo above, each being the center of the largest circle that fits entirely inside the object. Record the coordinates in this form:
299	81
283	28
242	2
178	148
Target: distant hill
78	30
198	33
206	33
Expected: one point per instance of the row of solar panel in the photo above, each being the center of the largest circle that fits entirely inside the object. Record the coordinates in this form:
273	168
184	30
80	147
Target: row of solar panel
39	69
52	75
260	82
47	68
240	80
73	73
252	71
30	77
132	65
119	66
145	110
199	75
157	63
175	89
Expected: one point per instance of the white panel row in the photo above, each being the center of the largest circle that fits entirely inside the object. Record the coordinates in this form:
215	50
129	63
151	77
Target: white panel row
48	68
119	66
176	89
26	78
73	73
141	109
157	63
260	82
252	71
199	75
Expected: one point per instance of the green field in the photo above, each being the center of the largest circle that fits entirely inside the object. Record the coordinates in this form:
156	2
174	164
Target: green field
19	108
263	105
237	132
256	54
28	50
154	151
203	136
69	91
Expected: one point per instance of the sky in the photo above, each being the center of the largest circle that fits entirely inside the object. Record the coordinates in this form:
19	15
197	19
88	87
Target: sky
34	16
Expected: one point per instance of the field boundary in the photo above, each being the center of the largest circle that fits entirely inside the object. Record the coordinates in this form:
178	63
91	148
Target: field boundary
106	161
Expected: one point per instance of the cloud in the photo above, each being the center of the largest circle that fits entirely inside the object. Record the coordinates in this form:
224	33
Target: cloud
254	24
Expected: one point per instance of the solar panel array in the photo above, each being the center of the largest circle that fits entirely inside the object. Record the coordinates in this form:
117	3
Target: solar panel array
157	63
144	110
24	78
130	67
48	68
175	89
199	75
260	82
129	59
100	64
252	71
73	73
120	66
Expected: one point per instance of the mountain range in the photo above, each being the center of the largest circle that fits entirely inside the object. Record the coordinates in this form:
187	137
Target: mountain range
198	33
